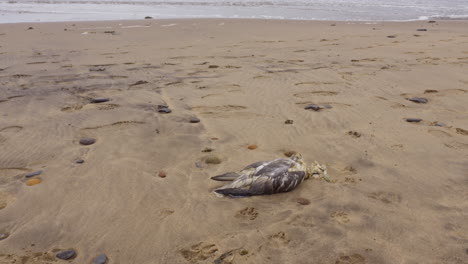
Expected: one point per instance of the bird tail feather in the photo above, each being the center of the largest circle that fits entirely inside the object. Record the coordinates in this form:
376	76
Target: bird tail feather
234	192
230	176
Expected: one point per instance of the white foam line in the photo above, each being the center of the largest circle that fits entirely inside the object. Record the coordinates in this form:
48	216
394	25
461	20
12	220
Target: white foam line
169	25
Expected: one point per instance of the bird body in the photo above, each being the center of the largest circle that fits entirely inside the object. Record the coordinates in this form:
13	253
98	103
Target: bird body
269	177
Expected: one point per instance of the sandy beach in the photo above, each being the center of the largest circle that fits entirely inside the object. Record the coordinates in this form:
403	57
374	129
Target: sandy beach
142	192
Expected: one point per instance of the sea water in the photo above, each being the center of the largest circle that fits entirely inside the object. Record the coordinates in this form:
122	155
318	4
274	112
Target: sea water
13	11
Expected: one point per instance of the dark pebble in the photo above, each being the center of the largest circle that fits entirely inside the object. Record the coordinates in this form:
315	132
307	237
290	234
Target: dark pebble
98	100
431	21
165	110
34	173
418	100
101	259
80	161
87	141
391	36
413	120
67	254
289	122
313	107
213	66
4	236
194	120
148	17
421	29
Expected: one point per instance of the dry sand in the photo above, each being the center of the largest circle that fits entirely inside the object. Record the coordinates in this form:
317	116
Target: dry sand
399	190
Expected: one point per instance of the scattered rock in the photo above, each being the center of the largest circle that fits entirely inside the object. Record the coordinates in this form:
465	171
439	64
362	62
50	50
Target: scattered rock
98	100
32	182
67	254
418	100
213	66
289	122
165	110
80	161
252	147
194	120
30	28
430	91
207	150
138	83
421	29
289	153
148	17
101	259
413	120
34	173
303	201
391	36
354	134
87	141
213	160
4	236
162	174
431	21
214	138
243	252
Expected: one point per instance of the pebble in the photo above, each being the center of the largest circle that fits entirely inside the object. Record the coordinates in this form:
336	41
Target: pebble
252	147
87	141
80	161
243	252
289	122
98	100
413	120
148	17
33	181
101	259
67	254
418	100
440	124
162	174
421	29
34	173
213	66
165	110
391	36
4	236
194	120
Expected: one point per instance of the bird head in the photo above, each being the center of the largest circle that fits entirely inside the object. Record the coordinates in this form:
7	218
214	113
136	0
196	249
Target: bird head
317	171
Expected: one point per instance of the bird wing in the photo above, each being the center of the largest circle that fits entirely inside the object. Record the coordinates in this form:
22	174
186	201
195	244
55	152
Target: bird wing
275	168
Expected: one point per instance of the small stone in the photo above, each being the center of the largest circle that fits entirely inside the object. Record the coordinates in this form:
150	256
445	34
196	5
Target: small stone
194	120
98	100
207	150
214	138
431	21
80	161
289	122
29	28
243	252
33	181
97	69
354	134
421	29
148	17
165	110
87	141
413	120
213	66
430	91
313	107
67	254
289	153
418	100
391	36
162	174
440	124
212	160
303	201
4	236
252	147
101	259
34	173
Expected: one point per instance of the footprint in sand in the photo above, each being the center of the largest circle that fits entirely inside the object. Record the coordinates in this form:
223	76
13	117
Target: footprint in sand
279	238
248	213
199	252
351	259
385	197
461	131
302	221
8	175
340	217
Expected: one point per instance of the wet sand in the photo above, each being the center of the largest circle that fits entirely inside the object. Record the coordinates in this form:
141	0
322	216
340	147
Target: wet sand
143	193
